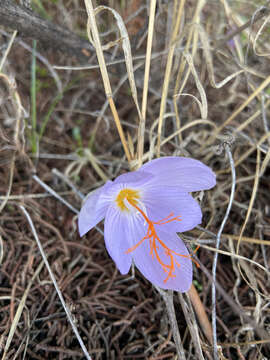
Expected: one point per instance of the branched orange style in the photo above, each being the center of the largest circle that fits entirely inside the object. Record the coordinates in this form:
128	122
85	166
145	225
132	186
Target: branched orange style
154	240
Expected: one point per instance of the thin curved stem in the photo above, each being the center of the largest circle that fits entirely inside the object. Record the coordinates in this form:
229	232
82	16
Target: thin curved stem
67	311
214	268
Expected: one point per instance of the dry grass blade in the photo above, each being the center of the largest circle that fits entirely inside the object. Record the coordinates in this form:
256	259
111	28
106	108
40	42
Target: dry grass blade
67	311
94	163
236	256
251	282
259	89
92	29
127	52
244	238
57	196
257	37
141	130
18	109
172	45
185	127
1	249
256	114
265	162
209	63
11	175
7	50
19	311
192	41
203	103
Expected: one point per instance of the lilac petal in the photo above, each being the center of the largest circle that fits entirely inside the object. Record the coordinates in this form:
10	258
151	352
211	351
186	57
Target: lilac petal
94	209
133	180
161	201
134	177
151	268
117	238
189	174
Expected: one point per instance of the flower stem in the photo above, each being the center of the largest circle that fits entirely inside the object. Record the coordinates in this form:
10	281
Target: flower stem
168	299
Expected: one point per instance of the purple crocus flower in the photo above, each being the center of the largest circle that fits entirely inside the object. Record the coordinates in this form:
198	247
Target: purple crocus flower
143	211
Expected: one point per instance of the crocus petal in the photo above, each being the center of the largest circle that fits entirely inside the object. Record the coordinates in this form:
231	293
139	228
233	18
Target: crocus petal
134	177
151	268
94	209
189	174
117	238
161	201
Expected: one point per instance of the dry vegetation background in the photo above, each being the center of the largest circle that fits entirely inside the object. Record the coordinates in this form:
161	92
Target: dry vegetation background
57	129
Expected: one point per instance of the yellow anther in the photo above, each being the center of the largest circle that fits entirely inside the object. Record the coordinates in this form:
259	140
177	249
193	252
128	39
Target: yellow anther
129	195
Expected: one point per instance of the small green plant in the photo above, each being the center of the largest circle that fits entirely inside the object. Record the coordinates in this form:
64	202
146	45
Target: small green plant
33	136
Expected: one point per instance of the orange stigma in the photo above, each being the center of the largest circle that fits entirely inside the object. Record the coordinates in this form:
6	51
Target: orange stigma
154	240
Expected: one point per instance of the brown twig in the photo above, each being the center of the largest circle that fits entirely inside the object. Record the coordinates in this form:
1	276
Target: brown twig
50	35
